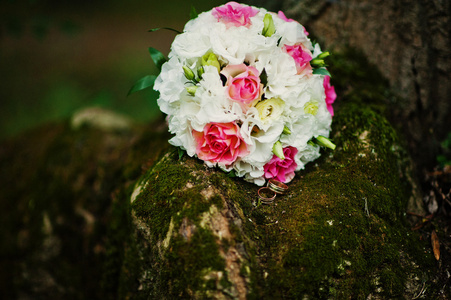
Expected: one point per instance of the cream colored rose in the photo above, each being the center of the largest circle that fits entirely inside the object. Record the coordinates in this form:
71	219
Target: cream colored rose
270	109
311	107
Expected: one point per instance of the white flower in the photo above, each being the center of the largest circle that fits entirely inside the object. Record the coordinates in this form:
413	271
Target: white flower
307	154
183	46
171	84
281	72
234	45
316	50
250	172
301	132
293	33
260	137
287	100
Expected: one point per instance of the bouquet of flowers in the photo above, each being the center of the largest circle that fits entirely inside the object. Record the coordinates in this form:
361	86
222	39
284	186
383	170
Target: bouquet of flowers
245	90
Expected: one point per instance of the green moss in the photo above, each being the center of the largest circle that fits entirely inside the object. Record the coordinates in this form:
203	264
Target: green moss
341	230
169	198
337	233
187	264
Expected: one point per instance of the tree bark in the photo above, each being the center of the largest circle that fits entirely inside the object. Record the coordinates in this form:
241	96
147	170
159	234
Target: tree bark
408	41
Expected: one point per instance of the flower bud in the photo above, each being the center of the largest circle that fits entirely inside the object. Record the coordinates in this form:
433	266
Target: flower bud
278	150
323	55
286	130
189	74
325	142
191	90
210	59
200	72
268	28
317	62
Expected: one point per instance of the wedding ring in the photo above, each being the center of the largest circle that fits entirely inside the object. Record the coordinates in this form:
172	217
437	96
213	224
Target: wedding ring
277	186
266	195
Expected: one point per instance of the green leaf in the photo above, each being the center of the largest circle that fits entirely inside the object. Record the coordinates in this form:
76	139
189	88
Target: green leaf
167	28
158	58
180	152
231	174
321	71
193	13
143	83
446	144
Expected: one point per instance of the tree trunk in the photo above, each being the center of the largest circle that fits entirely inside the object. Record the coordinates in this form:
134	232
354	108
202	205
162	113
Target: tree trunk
408	41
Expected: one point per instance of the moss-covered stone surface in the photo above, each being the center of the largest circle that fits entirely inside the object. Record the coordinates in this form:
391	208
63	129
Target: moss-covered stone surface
340	232
62	208
114	213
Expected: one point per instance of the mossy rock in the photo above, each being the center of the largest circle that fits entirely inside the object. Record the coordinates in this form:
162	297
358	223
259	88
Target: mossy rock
63	212
106	209
340	231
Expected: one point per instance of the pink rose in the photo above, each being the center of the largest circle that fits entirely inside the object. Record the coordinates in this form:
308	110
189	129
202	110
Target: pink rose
234	14
302	56
282	170
220	142
243	84
283	17
330	94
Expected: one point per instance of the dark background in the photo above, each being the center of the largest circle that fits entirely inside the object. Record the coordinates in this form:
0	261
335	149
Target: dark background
59	56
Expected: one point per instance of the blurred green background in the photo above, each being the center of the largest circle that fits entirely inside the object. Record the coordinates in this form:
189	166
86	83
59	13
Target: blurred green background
59	56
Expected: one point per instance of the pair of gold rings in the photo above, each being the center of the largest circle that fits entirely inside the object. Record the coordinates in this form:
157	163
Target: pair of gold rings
268	193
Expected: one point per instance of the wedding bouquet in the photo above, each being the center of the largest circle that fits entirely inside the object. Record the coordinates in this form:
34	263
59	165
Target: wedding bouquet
245	90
